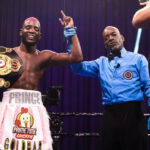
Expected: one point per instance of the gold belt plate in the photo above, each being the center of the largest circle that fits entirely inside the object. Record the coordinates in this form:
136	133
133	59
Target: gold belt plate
8	65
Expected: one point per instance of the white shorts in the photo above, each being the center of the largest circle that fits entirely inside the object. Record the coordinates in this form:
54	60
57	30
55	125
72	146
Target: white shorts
24	122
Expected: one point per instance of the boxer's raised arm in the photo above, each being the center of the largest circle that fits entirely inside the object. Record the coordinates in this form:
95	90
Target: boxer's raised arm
141	18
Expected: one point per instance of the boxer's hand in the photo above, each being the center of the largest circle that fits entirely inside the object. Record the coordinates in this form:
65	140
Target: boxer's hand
147	3
14	64
67	21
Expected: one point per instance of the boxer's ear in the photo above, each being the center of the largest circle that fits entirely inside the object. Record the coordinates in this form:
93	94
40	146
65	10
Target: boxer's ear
20	33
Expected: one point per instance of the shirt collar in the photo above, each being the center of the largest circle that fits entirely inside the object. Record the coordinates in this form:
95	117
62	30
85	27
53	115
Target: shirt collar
123	52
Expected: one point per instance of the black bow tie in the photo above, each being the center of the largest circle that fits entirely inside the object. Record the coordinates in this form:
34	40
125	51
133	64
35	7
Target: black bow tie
112	55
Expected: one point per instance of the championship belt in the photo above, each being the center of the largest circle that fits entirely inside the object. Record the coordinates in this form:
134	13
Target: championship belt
10	67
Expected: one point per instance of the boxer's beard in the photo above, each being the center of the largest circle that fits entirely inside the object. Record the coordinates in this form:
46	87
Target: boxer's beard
24	41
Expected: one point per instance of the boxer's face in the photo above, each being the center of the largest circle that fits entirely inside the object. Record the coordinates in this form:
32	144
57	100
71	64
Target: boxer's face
30	32
113	40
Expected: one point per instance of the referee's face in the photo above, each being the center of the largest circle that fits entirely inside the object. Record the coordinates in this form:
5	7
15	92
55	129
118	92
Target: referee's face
113	40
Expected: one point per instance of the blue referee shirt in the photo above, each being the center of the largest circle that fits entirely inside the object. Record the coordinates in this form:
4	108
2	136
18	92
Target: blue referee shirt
122	79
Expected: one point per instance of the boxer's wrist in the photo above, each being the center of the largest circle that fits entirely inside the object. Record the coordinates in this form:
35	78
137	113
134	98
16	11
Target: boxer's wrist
68	33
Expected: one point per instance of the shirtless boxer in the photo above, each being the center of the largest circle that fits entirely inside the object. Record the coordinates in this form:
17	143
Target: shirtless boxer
24	122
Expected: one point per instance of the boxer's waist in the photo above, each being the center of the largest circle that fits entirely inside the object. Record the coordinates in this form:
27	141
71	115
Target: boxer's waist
23	97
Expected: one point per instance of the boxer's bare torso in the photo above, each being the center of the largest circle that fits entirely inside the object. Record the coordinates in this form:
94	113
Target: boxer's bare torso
34	62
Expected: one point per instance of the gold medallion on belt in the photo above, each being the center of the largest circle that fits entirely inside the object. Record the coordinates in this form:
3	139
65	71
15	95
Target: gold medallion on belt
7	65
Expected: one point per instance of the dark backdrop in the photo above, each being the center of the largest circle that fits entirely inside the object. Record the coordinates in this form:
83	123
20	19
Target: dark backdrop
81	94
